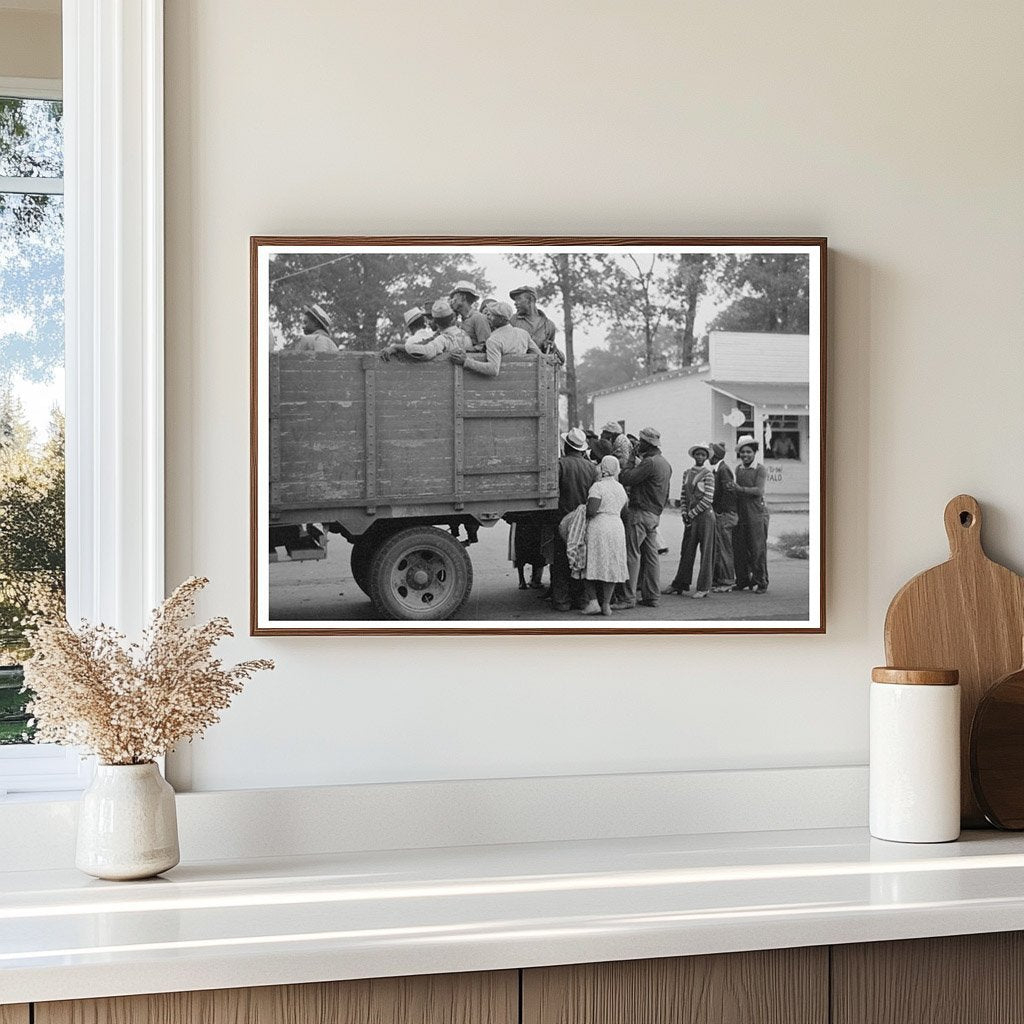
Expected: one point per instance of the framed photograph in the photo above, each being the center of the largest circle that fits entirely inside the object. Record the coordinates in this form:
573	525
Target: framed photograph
537	435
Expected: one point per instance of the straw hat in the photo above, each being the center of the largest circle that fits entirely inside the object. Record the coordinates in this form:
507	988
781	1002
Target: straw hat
319	314
576	439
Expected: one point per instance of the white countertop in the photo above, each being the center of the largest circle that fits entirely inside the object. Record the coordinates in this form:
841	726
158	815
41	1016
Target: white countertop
226	924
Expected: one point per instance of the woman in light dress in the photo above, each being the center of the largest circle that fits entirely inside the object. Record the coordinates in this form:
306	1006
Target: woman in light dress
606	538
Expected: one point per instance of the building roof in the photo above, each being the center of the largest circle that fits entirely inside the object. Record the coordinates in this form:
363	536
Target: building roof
789	395
654	378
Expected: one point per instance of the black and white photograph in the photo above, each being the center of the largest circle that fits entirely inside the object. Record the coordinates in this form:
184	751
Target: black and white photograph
537	435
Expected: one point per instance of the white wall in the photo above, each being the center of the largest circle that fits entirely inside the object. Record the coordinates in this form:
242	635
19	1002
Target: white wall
678	407
894	129
745	356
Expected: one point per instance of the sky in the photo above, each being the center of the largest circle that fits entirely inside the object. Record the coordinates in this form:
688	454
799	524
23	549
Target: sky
36	153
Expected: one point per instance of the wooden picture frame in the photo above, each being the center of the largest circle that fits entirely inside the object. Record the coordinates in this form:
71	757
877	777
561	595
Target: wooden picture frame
389	454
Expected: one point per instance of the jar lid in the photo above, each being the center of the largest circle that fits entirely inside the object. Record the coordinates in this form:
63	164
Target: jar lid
916	676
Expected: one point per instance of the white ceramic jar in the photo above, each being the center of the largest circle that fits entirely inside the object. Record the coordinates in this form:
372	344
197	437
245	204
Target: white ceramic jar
127	823
915	755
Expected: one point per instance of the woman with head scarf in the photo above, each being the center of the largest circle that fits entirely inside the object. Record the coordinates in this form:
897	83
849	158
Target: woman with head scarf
606	538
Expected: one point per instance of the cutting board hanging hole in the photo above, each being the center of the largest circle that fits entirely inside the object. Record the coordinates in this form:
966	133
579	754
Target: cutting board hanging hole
963	526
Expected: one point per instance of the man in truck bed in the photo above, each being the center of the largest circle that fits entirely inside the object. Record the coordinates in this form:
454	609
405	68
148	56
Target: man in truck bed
505	340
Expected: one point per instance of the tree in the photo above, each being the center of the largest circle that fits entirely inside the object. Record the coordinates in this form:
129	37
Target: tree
364	293
31	243
32	571
637	300
771	293
694	275
649	291
578	282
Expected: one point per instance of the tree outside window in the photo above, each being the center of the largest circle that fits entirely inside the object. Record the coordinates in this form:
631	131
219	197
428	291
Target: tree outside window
31	386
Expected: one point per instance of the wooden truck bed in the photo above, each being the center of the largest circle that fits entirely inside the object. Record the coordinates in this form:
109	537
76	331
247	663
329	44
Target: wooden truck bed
354	439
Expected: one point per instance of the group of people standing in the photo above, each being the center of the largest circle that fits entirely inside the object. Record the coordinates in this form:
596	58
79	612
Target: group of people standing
610	498
725	518
604	543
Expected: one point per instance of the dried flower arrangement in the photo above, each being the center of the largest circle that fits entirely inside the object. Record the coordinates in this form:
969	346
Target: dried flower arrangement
130	703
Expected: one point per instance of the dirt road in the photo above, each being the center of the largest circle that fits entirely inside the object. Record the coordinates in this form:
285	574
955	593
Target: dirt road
325	591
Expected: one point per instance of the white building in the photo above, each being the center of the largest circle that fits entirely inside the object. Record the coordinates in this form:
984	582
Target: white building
753	384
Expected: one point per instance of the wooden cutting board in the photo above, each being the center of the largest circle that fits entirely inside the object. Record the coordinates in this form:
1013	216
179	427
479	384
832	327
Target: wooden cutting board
967	614
997	752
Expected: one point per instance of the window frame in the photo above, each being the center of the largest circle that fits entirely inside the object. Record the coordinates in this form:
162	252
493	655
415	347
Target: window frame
112	89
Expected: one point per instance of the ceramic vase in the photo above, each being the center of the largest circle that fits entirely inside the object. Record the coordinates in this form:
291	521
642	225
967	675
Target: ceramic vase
127	825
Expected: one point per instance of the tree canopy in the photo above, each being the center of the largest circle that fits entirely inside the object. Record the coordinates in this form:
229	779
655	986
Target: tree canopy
31	523
652	302
770	292
31	243
365	294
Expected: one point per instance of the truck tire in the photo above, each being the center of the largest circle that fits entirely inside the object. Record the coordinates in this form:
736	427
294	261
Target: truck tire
420	573
362	556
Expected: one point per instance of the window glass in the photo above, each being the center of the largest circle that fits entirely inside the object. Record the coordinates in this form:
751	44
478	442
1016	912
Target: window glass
31	139
31	386
784	432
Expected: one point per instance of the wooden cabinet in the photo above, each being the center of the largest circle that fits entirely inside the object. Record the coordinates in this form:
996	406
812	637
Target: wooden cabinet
967	979
491	998
777	986
962	979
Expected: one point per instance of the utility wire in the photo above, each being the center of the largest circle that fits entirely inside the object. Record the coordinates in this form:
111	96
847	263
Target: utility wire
309	270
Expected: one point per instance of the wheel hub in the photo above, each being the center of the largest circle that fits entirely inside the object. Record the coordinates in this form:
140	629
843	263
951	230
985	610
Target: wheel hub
420	577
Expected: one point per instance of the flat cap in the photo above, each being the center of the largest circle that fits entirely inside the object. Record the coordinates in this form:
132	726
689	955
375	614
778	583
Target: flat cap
501	309
651	436
523	289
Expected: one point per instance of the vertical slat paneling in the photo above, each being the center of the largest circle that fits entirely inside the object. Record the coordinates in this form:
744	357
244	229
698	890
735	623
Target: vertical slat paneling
480	998
960	979
370	395
275	427
778	986
14	1014
458	435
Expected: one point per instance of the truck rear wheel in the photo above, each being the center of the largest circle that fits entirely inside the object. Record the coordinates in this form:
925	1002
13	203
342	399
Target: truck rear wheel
362	556
420	573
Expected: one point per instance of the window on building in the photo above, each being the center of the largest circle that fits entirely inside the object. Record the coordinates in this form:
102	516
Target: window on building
783	437
31	386
746	428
